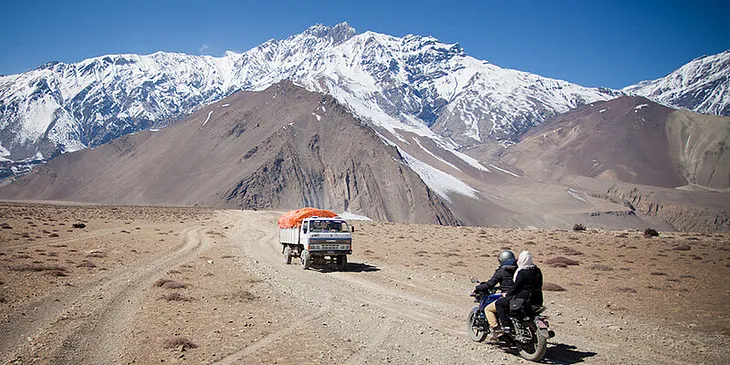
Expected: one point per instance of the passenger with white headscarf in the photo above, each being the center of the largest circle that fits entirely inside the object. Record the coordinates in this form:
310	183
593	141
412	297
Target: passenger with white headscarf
527	289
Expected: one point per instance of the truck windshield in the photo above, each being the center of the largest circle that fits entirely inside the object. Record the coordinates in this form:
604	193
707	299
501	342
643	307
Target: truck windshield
329	226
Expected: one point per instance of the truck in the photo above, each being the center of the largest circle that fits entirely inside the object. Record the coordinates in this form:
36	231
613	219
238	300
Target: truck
315	239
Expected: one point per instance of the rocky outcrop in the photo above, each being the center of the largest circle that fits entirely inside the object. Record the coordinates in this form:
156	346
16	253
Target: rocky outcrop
682	216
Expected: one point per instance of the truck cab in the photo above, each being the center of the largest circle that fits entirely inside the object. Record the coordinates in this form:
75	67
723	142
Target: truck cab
318	241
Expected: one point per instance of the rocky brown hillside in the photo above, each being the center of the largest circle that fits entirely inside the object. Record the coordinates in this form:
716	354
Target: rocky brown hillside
682	216
281	148
630	140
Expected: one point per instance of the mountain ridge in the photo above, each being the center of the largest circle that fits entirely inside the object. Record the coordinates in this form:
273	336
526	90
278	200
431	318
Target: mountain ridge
247	152
701	85
405	83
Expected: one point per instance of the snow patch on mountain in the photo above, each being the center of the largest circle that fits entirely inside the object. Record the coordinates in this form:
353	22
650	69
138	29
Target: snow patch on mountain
440	182
702	86
401	84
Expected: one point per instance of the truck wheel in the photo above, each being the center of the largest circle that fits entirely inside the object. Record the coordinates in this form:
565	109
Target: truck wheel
342	262
305	259
287	255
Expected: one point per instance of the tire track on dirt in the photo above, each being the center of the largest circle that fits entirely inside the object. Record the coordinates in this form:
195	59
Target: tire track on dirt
37	316
109	303
365	291
257	240
350	287
99	339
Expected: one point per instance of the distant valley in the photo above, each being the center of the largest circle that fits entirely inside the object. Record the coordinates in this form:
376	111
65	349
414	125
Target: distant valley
399	129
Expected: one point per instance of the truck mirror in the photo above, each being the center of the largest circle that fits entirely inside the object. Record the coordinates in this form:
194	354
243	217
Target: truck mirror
352	229
304	229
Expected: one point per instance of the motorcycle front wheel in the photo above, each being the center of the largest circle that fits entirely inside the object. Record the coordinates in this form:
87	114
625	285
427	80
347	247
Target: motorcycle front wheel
477	332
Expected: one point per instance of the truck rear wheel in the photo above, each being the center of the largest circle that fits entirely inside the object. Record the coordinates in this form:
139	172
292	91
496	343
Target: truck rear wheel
305	259
287	255
342	262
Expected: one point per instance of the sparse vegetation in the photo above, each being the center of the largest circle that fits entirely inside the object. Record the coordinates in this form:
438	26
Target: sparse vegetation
601	267
159	283
96	253
650	232
579	227
547	286
174	285
561	261
38	268
79	225
86	264
182	343
56	273
570	251
169	284
175	297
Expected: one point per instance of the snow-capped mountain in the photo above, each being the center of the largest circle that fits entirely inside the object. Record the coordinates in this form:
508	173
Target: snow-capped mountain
413	83
702	86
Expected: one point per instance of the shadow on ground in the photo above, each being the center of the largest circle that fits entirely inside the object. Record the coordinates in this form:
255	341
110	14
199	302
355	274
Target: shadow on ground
561	353
351	267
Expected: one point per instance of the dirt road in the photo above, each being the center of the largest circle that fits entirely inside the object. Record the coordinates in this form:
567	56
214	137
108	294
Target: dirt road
214	289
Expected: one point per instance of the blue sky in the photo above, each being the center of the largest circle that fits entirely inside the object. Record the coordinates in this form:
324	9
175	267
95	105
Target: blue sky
610	43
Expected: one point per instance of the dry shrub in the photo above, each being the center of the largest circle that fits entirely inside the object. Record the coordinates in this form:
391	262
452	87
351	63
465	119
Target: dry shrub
547	286
650	232
561	261
626	290
570	251
56	273
655	273
601	267
682	248
173	285
161	282
180	342
38	268
79	225
244	295
175	297
96	253
53	235
579	227
86	263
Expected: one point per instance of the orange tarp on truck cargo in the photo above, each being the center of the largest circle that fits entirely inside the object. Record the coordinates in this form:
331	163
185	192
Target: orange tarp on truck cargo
294	218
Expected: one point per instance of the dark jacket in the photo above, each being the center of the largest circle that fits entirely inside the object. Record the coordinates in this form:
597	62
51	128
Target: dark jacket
528	286
502	276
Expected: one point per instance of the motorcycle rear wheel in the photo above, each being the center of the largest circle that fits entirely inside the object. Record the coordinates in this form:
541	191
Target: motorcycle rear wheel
535	349
476	333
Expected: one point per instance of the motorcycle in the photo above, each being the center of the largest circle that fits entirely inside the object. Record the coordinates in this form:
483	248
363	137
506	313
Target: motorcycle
530	330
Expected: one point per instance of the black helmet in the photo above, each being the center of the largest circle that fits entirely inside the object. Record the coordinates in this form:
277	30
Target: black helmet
505	255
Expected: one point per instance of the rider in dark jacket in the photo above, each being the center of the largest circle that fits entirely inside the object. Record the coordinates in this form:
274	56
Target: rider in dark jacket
527	286
502	276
